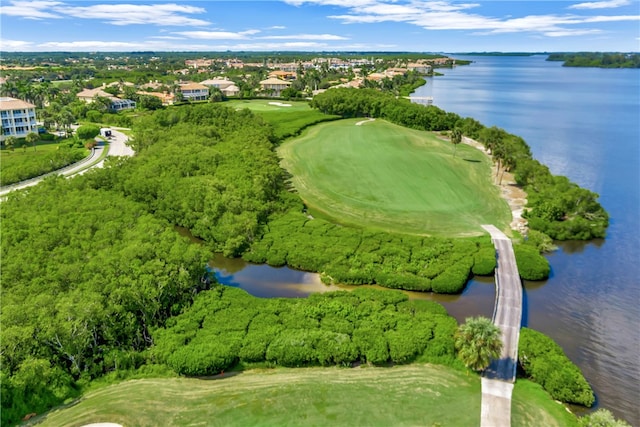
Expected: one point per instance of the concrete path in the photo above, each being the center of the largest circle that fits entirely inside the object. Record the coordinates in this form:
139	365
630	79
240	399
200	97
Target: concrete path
117	147
498	378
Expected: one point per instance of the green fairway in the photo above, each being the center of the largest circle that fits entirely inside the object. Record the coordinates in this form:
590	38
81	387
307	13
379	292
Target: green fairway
268	105
385	176
288	118
409	395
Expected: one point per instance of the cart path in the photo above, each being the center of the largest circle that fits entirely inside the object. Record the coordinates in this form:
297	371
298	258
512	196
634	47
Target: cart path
498	378
117	147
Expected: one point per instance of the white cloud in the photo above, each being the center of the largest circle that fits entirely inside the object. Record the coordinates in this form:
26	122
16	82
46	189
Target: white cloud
448	15
305	37
30	9
217	35
600	4
166	14
574	32
14	45
116	46
277	27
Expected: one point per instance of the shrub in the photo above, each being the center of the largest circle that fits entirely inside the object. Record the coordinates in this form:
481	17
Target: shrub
531	265
484	262
452	280
545	363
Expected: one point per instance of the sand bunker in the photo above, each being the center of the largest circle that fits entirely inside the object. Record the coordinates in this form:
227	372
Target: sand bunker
279	104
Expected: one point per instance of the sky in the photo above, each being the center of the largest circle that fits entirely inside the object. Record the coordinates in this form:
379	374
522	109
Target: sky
320	25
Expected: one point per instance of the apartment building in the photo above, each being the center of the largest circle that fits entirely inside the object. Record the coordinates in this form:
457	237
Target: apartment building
18	118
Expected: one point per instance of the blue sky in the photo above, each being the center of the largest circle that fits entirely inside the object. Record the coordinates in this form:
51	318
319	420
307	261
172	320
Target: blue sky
320	25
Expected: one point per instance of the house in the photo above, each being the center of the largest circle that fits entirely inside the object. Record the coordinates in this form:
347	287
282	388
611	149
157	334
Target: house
167	98
284	75
117	104
273	86
198	63
226	86
194	91
18	118
419	67
89	95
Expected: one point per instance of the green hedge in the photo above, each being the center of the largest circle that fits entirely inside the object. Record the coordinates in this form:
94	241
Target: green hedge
531	264
226	326
354	256
545	363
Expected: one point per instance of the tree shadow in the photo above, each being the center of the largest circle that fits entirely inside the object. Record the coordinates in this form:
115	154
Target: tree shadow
472	160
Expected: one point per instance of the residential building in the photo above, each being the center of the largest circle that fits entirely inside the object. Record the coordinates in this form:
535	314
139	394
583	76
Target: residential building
117	104
89	95
198	63
283	75
273	87
226	86
419	67
167	98
194	91
18	118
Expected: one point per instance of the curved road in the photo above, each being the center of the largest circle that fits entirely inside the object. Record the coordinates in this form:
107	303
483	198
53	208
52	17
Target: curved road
117	147
498	378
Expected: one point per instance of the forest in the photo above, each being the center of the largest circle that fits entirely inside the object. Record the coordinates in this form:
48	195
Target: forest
597	59
96	280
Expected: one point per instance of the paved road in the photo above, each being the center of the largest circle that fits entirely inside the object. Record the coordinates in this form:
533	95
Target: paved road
117	147
498	378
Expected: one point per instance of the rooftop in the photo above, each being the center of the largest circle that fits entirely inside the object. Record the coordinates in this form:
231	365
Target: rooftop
8	103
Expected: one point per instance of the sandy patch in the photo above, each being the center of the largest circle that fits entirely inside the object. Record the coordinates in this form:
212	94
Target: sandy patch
279	104
364	121
509	190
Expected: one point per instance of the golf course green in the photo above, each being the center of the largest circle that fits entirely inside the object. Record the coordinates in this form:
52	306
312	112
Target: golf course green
408	395
379	175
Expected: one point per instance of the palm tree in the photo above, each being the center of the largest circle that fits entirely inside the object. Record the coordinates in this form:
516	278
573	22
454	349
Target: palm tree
478	341
456	138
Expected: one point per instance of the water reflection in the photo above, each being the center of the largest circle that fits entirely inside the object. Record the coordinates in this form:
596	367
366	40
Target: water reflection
264	281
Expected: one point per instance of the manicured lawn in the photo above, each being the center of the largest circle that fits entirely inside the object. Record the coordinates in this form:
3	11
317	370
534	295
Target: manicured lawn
268	105
288	119
531	405
410	395
392	178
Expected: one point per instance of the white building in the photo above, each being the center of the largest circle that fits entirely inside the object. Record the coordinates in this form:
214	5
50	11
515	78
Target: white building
18	118
194	91
226	86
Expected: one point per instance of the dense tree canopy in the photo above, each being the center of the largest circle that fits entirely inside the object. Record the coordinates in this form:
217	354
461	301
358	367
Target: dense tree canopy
85	275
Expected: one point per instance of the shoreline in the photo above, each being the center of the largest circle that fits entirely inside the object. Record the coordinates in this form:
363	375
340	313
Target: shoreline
515	196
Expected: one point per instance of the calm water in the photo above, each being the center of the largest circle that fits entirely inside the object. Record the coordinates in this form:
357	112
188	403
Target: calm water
582	123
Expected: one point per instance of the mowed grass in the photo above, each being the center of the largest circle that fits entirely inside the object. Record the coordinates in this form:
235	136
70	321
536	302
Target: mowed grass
409	395
393	178
288	119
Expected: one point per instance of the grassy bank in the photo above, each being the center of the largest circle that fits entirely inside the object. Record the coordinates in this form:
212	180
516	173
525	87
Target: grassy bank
288	118
423	395
26	162
389	177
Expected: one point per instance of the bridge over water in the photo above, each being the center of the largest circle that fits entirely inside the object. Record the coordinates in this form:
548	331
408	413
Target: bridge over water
498	378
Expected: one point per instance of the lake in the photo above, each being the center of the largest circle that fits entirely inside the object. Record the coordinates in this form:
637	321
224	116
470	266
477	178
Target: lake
583	123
